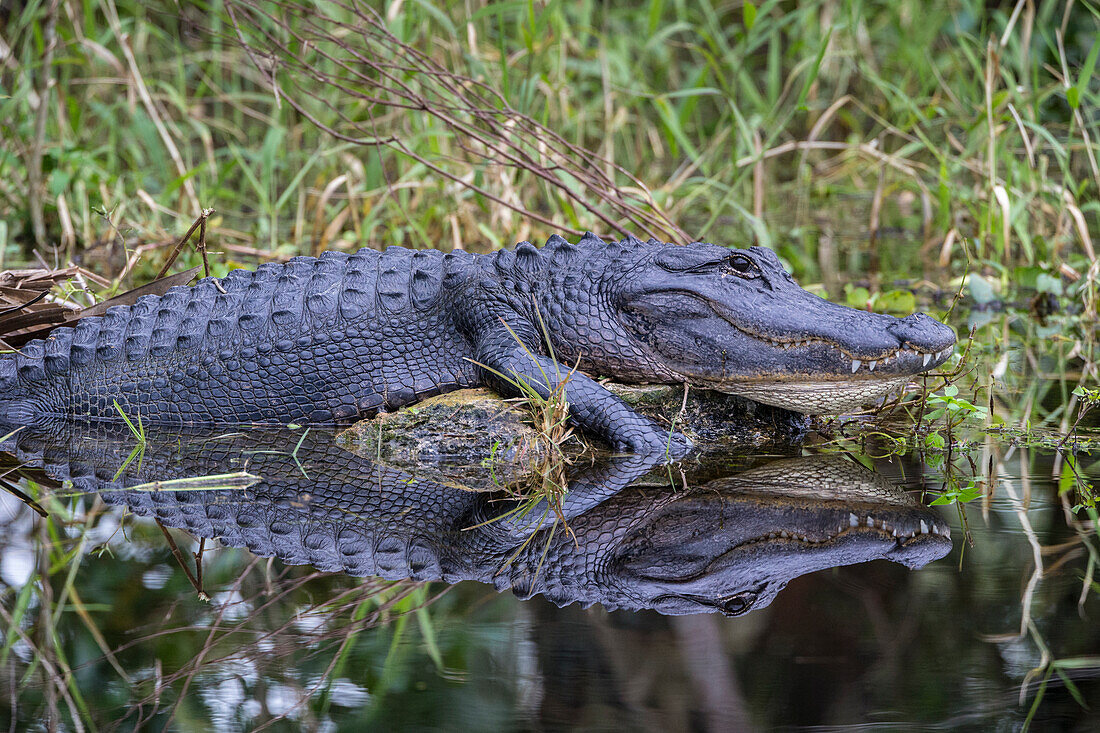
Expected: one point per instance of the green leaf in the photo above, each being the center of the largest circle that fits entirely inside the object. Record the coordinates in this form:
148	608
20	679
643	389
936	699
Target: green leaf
856	297
934	440
980	289
1045	283
748	13
896	301
1074	93
801	104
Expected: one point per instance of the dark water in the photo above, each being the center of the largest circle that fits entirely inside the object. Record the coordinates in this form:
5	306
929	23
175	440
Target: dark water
746	597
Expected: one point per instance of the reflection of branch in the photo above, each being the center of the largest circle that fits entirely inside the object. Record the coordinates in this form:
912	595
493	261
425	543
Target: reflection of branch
194	578
1036	549
239	630
704	655
377	69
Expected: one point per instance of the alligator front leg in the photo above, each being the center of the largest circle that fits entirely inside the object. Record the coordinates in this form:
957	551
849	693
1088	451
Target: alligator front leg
505	360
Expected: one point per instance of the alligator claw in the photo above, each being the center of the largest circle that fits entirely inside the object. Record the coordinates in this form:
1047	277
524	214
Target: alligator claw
668	444
677	445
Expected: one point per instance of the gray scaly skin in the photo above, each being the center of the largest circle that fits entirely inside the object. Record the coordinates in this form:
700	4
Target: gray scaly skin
728	546
341	337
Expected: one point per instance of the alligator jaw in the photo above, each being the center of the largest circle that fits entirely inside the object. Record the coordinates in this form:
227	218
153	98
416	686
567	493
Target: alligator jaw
910	538
854	383
901	531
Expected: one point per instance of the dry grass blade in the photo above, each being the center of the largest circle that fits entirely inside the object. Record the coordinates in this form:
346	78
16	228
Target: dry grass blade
157	287
24	311
23	497
26	314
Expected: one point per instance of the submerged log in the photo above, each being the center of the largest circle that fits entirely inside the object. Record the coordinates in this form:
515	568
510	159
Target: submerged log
474	439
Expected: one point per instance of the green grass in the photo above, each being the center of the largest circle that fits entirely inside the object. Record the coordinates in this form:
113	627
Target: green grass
950	123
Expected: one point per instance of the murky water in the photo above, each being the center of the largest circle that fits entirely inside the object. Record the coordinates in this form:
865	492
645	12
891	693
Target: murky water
776	595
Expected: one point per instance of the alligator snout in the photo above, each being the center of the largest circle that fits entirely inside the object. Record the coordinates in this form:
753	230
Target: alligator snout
922	332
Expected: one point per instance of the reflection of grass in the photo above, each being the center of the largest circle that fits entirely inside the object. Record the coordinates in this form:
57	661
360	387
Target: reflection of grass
36	618
1050	666
293	454
70	637
138	431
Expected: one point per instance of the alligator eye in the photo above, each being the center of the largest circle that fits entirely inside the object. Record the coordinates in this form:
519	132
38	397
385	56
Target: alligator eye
743	266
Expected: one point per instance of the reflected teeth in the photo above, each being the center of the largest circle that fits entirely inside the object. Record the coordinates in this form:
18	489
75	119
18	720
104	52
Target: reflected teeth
856	523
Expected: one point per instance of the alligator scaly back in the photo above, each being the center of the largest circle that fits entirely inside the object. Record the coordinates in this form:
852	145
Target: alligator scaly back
283	342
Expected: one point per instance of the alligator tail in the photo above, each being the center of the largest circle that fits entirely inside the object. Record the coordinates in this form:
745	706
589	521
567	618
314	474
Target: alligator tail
29	377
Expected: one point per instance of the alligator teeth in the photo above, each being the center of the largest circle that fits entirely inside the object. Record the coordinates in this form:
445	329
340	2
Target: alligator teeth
927	358
870	522
855	365
923	527
871	365
895	531
853	520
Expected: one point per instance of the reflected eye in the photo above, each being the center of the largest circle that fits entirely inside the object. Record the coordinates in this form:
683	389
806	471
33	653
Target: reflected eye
738	604
743	266
735	605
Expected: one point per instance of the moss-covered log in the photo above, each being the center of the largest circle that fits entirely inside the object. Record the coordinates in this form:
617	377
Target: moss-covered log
475	439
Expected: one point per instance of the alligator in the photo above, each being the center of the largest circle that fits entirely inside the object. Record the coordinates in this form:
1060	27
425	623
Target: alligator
343	336
727	546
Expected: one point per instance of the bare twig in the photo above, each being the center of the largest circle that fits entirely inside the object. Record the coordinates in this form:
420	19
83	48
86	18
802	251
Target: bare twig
204	214
308	54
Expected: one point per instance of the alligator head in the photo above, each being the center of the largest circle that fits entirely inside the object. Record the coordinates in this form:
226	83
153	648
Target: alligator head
736	321
731	545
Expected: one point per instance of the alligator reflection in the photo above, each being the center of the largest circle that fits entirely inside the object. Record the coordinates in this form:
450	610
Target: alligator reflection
728	546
